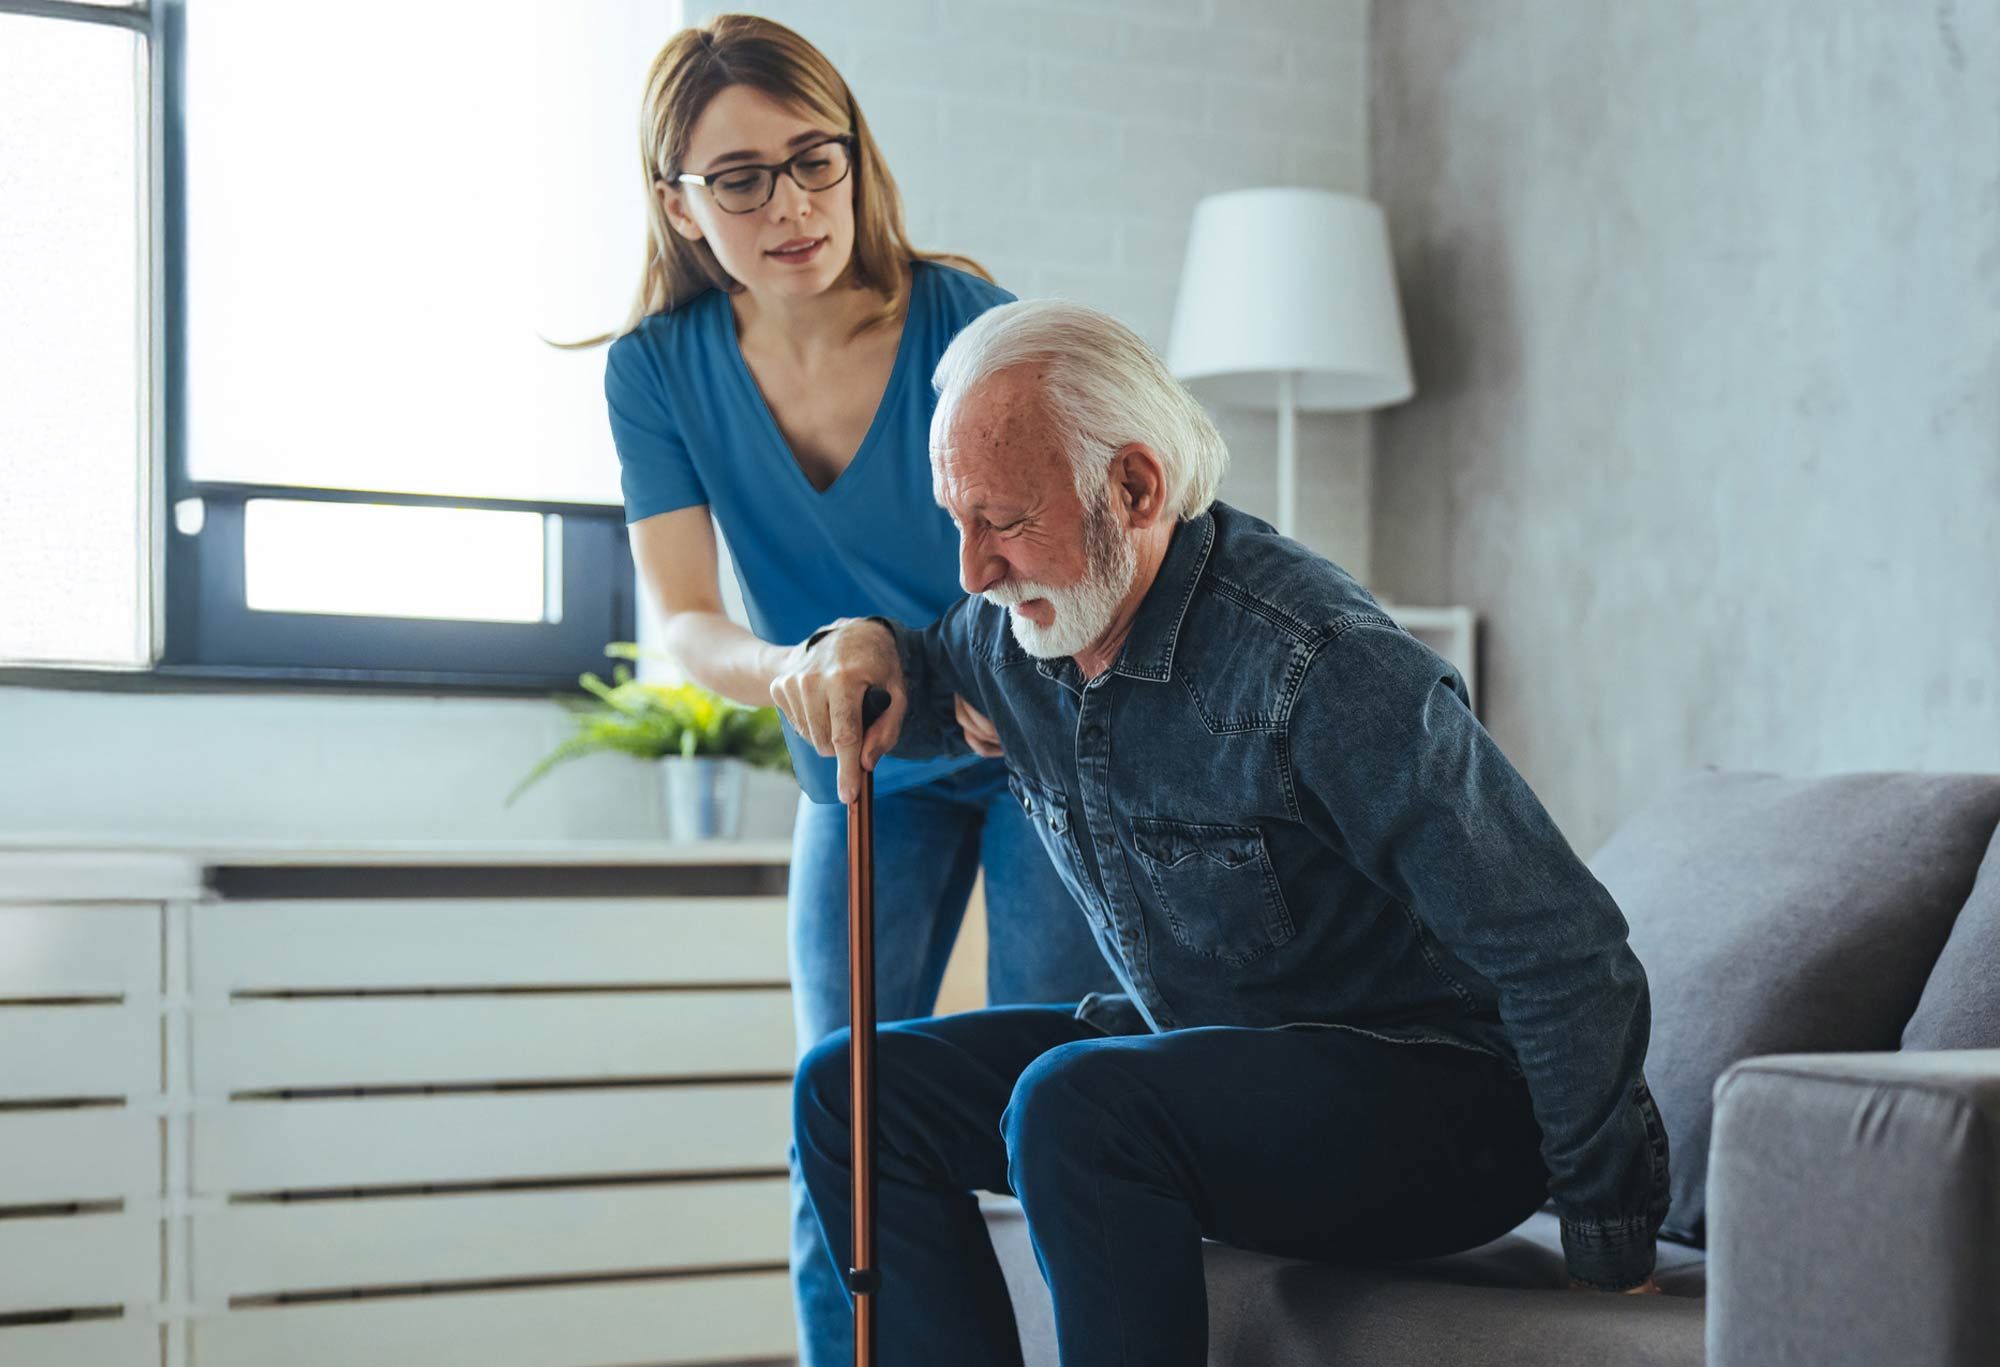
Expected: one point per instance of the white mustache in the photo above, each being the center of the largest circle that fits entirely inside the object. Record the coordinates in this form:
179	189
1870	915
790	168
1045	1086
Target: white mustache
1014	594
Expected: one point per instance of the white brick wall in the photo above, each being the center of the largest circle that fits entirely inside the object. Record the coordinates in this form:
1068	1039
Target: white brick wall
1064	146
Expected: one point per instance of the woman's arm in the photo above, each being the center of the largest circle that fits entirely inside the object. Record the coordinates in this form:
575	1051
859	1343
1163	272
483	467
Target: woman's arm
675	553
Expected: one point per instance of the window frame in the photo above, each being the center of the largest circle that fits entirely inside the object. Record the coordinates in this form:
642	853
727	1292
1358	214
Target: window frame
201	634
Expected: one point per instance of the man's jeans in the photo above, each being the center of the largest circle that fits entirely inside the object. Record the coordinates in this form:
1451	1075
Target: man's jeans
1318	1142
929	843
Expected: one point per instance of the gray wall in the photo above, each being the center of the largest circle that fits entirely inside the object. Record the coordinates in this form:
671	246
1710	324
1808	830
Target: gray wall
1704	299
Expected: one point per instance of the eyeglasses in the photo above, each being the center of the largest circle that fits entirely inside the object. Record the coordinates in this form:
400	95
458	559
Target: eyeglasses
746	189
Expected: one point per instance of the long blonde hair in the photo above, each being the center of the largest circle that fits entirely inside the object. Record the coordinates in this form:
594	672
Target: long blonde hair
695	66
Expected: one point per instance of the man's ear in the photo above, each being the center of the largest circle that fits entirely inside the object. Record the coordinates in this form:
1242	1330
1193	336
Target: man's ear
1139	484
676	210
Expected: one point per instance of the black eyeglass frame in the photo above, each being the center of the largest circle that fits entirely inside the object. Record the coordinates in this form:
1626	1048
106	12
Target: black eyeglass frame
846	140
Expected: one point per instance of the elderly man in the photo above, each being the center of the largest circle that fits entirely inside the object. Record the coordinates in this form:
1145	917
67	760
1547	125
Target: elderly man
1375	1008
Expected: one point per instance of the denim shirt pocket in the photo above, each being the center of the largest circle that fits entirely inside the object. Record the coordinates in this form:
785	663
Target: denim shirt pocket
1216	885
1048	810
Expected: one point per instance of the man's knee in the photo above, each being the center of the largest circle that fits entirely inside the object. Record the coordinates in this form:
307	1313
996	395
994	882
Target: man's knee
820	1095
1056	1110
906	1083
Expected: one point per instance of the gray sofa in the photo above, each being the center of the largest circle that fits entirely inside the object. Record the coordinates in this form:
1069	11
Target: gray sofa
1824	957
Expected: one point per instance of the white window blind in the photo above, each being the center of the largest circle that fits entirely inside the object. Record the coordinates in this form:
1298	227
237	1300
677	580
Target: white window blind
390	204
74	549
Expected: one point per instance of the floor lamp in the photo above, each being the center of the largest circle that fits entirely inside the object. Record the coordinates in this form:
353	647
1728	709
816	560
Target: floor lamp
1288	301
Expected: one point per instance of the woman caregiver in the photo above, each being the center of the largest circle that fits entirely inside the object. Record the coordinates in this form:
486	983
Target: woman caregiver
775	373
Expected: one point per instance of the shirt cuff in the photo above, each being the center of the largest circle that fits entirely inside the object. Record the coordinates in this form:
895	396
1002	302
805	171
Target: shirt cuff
930	725
1610	1255
910	654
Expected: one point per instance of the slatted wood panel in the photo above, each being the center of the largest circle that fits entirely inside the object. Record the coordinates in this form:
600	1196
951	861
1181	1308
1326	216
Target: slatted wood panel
639	999
47	1052
79	951
61	1262
254	1146
125	1342
262	1248
251	946
262	1044
96	1153
681	1320
80	1018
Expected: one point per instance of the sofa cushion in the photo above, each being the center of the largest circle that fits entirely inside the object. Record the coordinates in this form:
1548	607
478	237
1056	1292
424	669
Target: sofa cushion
1531	1256
1960	1008
1499	1305
1779	915
1273	1312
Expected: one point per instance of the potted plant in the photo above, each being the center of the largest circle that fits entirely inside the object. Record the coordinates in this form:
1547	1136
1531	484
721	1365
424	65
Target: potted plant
705	743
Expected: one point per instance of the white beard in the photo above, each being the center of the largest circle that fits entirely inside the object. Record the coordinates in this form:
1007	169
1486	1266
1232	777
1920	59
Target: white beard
1083	610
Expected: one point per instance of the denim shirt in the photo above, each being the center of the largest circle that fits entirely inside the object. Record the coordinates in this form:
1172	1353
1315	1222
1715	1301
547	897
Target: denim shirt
1277	809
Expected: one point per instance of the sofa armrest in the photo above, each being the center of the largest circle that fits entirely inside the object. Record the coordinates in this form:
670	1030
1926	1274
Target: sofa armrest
1854	1211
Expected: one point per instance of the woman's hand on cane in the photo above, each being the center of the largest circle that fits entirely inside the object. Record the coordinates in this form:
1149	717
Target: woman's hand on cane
822	688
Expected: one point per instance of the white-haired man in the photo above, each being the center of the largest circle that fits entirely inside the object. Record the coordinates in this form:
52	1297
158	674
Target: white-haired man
1374	1008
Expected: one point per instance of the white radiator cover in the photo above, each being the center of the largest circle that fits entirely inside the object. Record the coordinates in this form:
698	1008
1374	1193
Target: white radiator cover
495	1129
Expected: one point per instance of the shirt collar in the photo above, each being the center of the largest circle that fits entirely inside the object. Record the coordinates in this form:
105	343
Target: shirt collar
1148	652
1149	649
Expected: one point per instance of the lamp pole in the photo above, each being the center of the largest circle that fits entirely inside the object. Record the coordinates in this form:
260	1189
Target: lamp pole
1288	451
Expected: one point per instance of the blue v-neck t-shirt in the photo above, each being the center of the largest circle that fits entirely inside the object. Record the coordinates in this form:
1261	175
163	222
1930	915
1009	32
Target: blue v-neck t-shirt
692	428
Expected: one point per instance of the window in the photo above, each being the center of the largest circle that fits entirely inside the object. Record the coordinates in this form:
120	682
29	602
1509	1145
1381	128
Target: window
75	507
372	467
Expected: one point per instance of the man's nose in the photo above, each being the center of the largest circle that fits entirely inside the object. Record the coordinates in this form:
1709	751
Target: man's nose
978	568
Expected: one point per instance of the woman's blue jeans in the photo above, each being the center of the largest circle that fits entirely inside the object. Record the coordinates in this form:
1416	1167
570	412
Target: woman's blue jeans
1314	1142
929	844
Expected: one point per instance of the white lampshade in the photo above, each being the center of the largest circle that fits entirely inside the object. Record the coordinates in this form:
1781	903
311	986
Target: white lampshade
1291	282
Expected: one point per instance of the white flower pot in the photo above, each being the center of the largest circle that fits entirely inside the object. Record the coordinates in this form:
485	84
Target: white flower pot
703	797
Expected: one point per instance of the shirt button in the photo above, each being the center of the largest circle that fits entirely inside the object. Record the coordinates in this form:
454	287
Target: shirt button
1092	735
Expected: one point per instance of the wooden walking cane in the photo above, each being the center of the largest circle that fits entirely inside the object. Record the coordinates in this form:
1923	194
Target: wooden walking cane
863	1278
